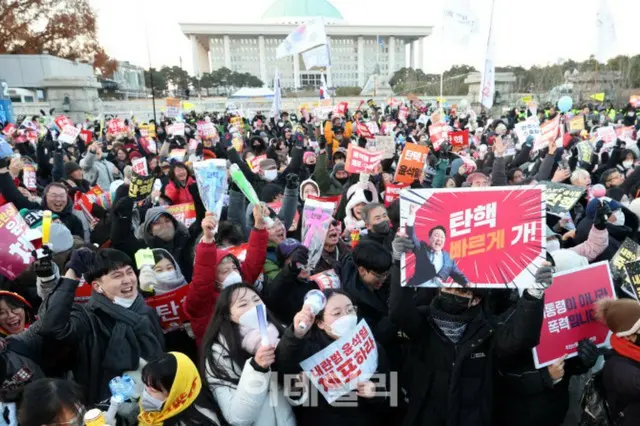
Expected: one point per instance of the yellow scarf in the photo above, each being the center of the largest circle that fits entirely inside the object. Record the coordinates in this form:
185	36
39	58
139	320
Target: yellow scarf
186	388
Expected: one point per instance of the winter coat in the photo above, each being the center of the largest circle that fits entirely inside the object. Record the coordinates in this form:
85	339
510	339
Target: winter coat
203	292
284	295
452	384
332	260
98	172
179	194
621	379
326	182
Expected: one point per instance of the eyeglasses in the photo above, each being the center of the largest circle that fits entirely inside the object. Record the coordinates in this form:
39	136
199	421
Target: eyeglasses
382	276
5	314
57	196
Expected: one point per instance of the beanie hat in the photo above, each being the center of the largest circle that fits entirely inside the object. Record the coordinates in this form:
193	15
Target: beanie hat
270	191
307	155
308	182
70	167
340	152
287	247
475	176
592	207
455	166
60	238
268	164
33	218
337	168
621	316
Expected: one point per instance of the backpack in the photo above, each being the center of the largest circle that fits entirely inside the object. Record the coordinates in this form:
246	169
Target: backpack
595	408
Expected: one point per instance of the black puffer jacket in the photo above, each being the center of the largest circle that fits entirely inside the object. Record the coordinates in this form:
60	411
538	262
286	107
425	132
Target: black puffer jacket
621	379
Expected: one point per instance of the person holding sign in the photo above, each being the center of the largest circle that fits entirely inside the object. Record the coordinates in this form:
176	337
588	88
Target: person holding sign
239	355
366	405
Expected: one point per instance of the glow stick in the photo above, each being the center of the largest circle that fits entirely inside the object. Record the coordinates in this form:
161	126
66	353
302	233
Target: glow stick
241	181
46	226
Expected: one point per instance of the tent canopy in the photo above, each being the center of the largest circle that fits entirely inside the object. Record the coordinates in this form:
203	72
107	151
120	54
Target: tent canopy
253	92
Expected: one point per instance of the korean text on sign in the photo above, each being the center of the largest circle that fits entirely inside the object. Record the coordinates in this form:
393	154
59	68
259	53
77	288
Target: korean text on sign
359	160
337	369
411	163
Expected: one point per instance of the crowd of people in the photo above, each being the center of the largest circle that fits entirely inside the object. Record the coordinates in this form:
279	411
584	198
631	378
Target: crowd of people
450	356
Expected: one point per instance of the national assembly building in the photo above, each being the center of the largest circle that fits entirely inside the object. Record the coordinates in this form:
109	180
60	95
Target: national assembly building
356	50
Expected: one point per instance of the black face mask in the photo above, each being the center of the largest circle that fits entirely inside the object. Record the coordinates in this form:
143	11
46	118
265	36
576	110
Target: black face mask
382	228
453	304
343	180
311	167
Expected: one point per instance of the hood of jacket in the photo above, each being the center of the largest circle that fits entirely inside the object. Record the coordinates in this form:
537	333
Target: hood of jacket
144	232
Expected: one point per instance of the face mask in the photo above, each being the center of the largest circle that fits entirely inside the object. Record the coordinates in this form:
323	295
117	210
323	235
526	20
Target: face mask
166	233
343	325
167	276
270	175
233	278
250	318
453	304
125	303
553	245
627	164
382	228
149	403
619	218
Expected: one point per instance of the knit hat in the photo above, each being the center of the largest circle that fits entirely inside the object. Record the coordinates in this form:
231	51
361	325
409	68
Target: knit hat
287	247
337	168
307	155
455	166
33	218
308	182
70	167
592	207
476	176
270	191
340	152
621	316
268	164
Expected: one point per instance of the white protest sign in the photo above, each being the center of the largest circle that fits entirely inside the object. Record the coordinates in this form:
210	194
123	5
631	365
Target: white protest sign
139	166
337	369
385	144
69	134
177	129
527	128
373	127
607	135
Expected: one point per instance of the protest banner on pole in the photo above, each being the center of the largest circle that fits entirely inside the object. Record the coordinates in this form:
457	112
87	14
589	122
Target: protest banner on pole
359	160
173	107
15	248
184	213
169	308
139	166
629	251
140	186
569	314
69	134
316	218
412	160
337	369
459	140
326	280
392	192
560	198
487	237
576	124
211	178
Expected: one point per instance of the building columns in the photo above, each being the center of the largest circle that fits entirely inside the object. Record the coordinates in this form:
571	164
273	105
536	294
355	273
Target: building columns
200	57
412	55
296	71
420	48
263	59
392	55
227	52
328	72
361	62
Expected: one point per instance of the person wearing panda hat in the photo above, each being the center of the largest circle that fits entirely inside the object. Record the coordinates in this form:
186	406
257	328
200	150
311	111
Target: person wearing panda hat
359	194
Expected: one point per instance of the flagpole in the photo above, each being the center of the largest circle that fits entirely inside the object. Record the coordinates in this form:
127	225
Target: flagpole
493	5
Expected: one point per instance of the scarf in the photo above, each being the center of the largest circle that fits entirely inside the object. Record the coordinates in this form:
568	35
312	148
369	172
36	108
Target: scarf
452	326
133	333
186	388
625	348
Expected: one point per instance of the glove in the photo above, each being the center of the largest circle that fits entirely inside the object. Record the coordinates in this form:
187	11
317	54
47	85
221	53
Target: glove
43	267
401	245
292	181
322	142
299	259
602	215
544	276
147	279
81	260
588	353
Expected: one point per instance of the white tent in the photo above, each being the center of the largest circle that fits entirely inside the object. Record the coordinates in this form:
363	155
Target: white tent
253	92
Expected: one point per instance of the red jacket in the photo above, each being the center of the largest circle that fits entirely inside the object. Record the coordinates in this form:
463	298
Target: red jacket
203	291
178	194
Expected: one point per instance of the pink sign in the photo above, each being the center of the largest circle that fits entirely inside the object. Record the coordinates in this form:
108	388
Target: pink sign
392	192
438	133
15	248
363	130
359	160
139	166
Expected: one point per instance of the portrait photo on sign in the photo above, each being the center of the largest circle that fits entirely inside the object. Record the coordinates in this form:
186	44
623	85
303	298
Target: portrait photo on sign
473	237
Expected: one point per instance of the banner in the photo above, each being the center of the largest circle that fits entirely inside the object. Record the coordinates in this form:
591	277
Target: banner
337	369
359	160
211	178
173	107
15	248
628	252
633	274
184	213
392	192
459	140
384	144
29	177
316	218
569	314
527	128
561	198
326	280
139	166
206	129
485	237
363	131
576	124
69	134
169	308
412	160
140	186
335	199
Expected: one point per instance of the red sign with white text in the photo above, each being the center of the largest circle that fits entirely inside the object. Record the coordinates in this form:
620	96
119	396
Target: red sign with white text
359	160
183	213
392	192
169	308
459	140
15	248
341	108
364	131
569	314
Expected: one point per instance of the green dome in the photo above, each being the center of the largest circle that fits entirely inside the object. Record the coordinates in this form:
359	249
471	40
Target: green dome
302	9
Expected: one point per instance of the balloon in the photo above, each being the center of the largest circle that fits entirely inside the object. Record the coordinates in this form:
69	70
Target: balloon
565	103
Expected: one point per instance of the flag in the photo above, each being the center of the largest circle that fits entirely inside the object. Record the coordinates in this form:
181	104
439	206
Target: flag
606	32
318	57
458	21
597	97
324	92
380	42
307	36
275	107
488	82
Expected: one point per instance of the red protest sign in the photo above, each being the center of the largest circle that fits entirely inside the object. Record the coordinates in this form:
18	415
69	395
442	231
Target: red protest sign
335	199
392	192
169	308
9	129
63	121
116	126
206	129
569	312
86	136
359	160
411	162
184	213
341	108
32	136
326	280
459	140
363	131
29	177
549	131
403	113
15	248
139	166
255	162
277	205
492	237
438	133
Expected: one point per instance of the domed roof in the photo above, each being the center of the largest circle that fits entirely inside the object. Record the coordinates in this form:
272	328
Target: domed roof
284	9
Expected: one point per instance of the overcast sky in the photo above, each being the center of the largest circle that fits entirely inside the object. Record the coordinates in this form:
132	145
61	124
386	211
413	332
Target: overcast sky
525	32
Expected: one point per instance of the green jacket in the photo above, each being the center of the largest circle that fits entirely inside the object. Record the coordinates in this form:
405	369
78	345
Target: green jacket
328	185
271	264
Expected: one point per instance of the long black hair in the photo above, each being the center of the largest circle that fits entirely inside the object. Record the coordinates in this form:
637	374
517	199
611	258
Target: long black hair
43	401
160	374
172	174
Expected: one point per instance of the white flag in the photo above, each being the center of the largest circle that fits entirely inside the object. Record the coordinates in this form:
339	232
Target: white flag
307	36
318	57
275	107
488	82
606	32
458	21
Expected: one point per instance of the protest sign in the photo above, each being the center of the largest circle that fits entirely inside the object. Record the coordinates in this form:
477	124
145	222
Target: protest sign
206	129
548	133
629	251
139	166
176	129
561	198
585	152
337	369
335	199
388	127
392	192
254	163
438	133
140	186
316	218
384	144
173	107
211	178
359	160
576	124
493	237
69	134
116	127
32	136
86	136
326	280
147	131
340	108
607	135
633	275
403	113
237	123
527	128
373	127
177	154
29	177
363	131
569	314
277	205
169	308
15	248
411	162
184	213
9	129
62	122
626	133
459	140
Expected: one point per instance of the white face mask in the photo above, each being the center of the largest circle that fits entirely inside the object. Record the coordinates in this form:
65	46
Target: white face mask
233	278
167	276
627	164
553	245
125	303
343	325
619	218
250	318
270	175
150	403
